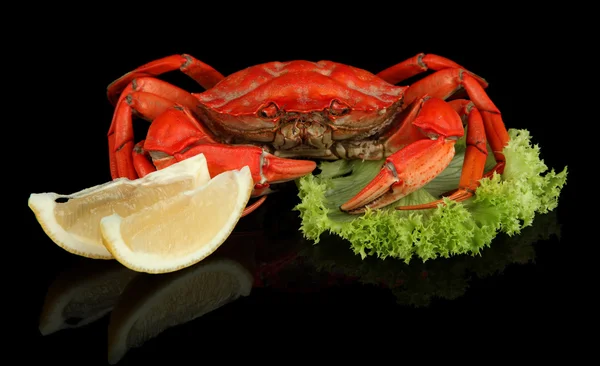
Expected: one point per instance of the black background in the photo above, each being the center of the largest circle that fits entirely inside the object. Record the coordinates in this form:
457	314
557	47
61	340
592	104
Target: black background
523	61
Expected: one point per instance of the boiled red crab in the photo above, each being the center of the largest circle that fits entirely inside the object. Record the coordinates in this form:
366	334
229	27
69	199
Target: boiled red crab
268	116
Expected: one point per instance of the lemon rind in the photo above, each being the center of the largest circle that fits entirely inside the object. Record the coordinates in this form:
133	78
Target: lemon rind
43	204
110	227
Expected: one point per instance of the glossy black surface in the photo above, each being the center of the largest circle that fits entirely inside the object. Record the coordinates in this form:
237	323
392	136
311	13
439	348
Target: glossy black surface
298	287
518	284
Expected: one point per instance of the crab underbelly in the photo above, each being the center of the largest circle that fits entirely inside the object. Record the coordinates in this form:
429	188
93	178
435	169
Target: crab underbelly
307	136
328	149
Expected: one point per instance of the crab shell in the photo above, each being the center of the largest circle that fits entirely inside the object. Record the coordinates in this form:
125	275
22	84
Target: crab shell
308	101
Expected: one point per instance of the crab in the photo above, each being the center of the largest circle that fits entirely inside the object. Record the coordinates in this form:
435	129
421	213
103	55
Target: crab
277	118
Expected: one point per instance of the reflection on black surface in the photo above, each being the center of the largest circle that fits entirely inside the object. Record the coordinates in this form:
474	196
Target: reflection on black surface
418	283
143	305
150	304
83	294
266	251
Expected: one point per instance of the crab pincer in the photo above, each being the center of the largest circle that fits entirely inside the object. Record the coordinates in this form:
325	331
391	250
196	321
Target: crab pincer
403	173
266	168
419	162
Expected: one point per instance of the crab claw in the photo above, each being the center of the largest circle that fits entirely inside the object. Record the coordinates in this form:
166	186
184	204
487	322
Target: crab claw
274	169
266	168
404	172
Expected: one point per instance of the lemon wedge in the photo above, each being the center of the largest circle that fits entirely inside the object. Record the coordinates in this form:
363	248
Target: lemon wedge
179	231
151	304
74	225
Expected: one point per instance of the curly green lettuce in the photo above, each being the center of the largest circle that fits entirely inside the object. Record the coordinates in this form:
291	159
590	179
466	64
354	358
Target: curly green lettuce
503	203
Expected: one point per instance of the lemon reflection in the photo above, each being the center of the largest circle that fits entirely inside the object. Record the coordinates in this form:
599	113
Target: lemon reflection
83	294
151	304
142	305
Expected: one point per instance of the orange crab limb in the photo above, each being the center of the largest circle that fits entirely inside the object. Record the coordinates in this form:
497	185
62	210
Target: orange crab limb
147	98
141	160
403	173
266	168
253	206
474	163
450	78
445	83
175	130
202	73
416	164
419	64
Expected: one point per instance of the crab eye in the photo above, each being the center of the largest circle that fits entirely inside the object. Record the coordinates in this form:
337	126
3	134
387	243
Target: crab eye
270	111
338	108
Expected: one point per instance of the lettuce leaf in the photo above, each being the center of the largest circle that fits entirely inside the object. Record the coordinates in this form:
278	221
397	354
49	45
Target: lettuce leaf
503	203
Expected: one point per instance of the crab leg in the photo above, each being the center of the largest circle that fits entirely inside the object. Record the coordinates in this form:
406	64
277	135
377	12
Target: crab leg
417	163
419	64
202	73
445	83
266	168
141	160
484	123
475	157
147	98
450	78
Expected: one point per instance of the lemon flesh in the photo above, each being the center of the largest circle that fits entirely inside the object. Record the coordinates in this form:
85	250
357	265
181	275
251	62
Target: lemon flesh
179	231
74	225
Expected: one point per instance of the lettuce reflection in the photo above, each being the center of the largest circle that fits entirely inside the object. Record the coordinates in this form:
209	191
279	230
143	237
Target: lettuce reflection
418	284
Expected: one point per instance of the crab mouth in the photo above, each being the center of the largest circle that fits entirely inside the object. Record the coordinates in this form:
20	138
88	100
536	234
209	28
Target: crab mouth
306	133
304	129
